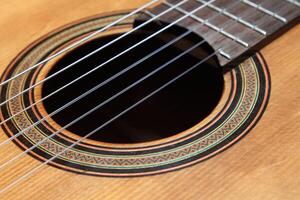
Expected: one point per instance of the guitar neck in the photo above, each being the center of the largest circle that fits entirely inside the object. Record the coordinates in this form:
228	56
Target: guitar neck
233	28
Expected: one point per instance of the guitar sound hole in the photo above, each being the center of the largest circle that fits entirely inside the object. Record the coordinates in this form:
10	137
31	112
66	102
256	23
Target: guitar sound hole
174	109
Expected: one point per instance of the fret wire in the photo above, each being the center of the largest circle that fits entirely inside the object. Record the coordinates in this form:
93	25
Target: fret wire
88	55
190	49
224	54
238	19
221	29
259	22
259	7
149	13
295	2
101	65
104	82
205	22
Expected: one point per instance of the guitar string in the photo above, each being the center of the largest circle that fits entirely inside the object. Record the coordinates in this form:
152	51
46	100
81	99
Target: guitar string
94	89
36	144
283	9
58	90
108	80
99	66
110	120
136	83
295	2
90	133
127	33
97	50
88	37
103	83
92	53
173	80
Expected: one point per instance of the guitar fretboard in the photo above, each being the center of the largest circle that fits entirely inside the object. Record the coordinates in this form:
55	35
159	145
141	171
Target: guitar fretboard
231	27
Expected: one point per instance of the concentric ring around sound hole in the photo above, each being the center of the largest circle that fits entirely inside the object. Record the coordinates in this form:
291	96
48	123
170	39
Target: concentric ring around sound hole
175	109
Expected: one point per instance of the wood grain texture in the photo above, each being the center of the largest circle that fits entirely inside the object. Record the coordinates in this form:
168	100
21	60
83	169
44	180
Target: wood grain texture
263	165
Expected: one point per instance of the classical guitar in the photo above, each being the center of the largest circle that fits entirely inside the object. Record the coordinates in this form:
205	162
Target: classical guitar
137	99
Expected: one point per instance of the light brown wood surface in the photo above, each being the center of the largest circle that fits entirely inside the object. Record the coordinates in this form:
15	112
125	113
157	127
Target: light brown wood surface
263	165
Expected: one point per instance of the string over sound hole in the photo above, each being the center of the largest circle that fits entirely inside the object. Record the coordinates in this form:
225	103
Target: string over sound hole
175	109
246	93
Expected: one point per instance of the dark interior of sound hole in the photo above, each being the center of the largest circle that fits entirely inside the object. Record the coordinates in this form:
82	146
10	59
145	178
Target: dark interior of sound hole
175	108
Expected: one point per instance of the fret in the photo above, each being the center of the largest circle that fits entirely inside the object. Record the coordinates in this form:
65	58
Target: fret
219	40
281	7
238	19
285	9
295	2
230	27
205	22
261	8
224	54
149	13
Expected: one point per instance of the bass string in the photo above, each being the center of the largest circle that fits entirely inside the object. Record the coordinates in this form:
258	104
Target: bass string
67	67
27	150
35	169
54	133
88	37
89	92
136	82
53	75
97	87
99	66
70	103
93	52
77	142
97	129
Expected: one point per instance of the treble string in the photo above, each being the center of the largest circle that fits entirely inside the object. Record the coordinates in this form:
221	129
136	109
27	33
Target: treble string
86	38
77	79
95	88
120	114
109	121
92	53
99	66
155	71
92	90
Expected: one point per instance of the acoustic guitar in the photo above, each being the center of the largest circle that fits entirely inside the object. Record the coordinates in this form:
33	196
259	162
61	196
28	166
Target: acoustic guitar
150	99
